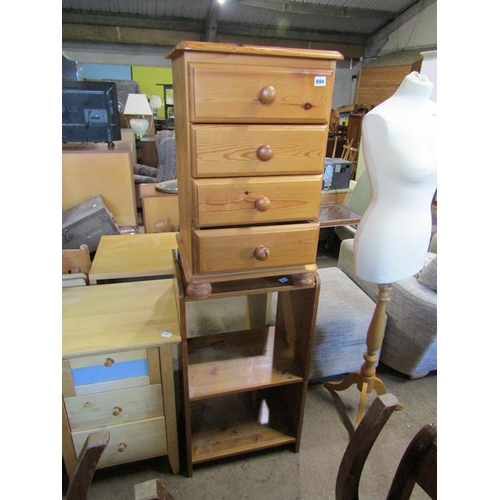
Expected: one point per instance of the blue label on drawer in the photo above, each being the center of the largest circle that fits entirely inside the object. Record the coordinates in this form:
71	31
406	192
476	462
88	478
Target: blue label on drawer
118	371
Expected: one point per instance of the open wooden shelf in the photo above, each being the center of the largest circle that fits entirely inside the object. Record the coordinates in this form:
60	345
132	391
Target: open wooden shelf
228	426
239	361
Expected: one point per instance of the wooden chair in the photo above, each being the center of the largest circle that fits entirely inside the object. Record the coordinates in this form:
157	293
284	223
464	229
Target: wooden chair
353	154
75	266
79	485
350	153
417	466
346	150
334	149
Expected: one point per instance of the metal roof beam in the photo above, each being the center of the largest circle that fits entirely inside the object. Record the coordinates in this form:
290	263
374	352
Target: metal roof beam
253	30
211	21
209	27
377	41
318	10
131	21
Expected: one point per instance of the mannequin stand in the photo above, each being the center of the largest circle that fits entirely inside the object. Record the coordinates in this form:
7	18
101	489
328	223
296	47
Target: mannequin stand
365	379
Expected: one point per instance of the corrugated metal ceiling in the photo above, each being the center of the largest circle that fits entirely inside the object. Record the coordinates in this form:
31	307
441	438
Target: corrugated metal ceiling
315	21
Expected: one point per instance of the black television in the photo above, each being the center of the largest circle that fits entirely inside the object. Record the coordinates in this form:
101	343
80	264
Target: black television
90	112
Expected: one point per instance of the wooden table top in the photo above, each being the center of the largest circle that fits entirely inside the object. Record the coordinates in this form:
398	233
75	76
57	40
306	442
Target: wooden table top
133	256
118	316
333	214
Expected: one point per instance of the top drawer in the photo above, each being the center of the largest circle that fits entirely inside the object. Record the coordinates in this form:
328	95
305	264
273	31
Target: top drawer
110	371
252	94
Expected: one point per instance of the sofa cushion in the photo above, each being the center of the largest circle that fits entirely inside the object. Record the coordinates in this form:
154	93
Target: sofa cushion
145	170
167	159
344	315
428	275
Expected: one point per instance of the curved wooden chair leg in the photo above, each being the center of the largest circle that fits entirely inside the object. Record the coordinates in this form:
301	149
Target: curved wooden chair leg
358	449
418	465
79	485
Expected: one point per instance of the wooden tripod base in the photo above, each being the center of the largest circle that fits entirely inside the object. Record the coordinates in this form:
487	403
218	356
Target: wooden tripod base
364	386
365	379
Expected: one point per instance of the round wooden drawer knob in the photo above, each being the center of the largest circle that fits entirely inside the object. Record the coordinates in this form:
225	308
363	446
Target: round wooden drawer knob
264	152
262	203
116	410
267	94
122	447
108	362
261	253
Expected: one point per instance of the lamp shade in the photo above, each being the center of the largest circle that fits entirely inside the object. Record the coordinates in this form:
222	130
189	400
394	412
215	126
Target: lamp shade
155	102
137	104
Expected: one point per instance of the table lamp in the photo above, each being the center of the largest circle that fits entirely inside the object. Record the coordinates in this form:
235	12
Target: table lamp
399	143
155	104
138	106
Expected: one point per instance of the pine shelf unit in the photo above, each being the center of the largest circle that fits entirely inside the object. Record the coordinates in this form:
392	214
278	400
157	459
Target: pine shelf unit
226	375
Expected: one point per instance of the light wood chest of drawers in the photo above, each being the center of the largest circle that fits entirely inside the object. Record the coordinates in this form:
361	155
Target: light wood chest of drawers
251	129
122	392
118	344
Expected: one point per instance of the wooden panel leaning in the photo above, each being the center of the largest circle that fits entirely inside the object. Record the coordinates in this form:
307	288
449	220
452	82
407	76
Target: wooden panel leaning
93	169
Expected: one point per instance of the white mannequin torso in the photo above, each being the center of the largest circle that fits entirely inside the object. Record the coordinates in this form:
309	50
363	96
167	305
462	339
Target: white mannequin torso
399	142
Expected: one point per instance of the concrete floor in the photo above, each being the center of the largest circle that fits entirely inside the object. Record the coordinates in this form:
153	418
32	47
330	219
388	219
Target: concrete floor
280	473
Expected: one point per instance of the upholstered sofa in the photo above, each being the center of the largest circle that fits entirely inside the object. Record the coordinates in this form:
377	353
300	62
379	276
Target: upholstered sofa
167	162
410	342
343	317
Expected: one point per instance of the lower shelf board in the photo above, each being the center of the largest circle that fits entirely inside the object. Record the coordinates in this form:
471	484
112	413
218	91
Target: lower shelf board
227	426
245	437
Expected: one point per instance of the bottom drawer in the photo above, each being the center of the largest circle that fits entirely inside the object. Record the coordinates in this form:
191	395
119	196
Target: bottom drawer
129	442
254	248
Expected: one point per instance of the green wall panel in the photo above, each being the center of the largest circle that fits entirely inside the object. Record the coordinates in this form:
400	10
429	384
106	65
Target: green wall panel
150	80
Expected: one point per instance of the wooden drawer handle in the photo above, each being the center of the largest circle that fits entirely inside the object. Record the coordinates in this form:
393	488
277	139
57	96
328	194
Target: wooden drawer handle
117	410
261	253
108	362
262	203
267	94
122	447
264	152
